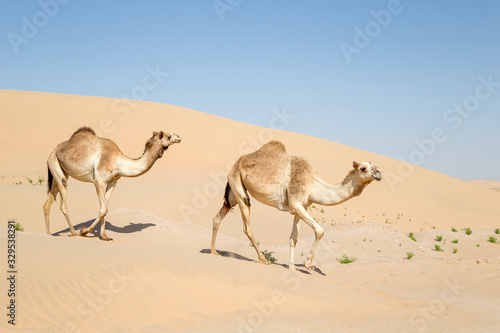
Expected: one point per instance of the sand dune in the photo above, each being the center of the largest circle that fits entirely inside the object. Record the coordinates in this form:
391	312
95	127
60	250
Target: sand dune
491	184
157	276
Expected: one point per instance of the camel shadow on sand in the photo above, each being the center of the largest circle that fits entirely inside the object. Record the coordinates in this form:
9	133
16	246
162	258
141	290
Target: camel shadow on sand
128	229
299	268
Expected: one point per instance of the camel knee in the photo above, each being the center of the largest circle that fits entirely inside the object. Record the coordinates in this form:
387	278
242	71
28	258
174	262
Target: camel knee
247	231
216	225
320	232
46	208
64	208
293	242
103	212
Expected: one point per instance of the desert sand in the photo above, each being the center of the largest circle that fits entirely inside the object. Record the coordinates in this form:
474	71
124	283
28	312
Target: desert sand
157	274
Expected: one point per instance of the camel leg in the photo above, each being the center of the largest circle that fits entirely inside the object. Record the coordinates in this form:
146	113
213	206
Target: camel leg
109	191
245	214
241	196
216	223
293	241
64	209
101	195
60	180
318	232
48	204
220	216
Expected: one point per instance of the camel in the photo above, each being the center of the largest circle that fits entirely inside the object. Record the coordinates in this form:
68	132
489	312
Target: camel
286	183
89	158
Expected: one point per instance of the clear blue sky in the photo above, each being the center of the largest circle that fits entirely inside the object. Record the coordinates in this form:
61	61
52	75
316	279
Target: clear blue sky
249	57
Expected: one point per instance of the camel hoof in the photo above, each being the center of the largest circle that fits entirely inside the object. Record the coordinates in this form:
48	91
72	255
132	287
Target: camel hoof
83	232
215	253
264	261
106	238
308	264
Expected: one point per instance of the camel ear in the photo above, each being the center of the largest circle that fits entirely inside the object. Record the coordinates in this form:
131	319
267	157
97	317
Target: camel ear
155	133
355	165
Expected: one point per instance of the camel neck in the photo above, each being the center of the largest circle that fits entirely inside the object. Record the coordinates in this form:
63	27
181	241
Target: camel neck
134	167
334	194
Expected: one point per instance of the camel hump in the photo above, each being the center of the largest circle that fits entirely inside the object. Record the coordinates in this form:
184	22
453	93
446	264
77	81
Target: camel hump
300	168
84	130
301	175
274	146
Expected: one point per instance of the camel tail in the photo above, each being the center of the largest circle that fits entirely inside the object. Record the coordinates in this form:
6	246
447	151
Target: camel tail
226	197
50	179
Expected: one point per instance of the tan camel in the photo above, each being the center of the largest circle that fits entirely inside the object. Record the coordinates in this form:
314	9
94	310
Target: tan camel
89	158
287	183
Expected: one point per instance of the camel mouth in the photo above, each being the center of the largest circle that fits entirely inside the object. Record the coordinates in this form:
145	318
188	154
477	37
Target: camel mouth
377	176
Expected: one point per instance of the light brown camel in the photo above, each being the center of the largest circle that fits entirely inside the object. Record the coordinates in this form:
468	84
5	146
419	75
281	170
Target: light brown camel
89	158
287	183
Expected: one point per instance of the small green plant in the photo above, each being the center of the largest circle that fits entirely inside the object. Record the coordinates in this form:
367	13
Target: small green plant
497	231
412	237
18	226
478	245
222	253
269	256
438	238
40	180
468	231
454	230
492	240
409	255
438	248
322	210
378	250
30	180
455	241
455	250
346	260
258	243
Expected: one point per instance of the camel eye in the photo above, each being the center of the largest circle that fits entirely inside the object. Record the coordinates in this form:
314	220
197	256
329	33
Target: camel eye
363	169
168	137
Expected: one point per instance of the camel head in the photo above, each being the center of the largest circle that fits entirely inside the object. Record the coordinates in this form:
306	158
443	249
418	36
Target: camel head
366	172
162	139
167	139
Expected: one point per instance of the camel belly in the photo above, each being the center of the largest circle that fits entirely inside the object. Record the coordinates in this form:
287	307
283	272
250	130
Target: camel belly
82	170
273	195
81	174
